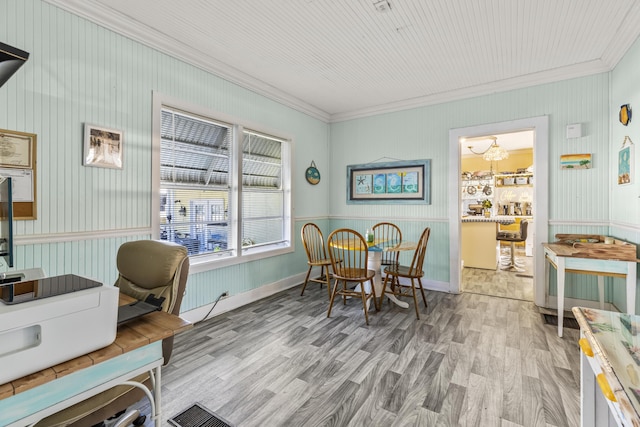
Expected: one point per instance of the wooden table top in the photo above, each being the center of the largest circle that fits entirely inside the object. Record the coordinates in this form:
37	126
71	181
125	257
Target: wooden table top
137	333
593	251
377	246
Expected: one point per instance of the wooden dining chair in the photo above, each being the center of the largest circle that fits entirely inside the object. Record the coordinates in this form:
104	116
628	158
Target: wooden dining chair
349	253
316	256
413	272
388	232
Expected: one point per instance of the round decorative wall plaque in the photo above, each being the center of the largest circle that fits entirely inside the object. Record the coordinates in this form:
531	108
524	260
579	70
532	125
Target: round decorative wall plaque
312	174
625	114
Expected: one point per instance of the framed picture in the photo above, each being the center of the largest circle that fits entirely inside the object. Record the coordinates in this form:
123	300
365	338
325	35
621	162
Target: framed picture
575	161
102	147
626	162
390	182
16	149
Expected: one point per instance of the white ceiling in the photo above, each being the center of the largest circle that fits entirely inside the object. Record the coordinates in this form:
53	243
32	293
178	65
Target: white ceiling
340	59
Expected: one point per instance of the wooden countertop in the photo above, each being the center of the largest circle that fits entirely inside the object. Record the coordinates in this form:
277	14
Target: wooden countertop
593	251
152	327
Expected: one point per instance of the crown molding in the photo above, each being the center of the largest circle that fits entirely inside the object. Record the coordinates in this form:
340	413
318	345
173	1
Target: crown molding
112	20
626	35
520	82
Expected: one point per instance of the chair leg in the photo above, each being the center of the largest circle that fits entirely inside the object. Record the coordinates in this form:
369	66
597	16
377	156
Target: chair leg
328	277
363	296
374	296
424	298
306	280
513	264
415	300
333	296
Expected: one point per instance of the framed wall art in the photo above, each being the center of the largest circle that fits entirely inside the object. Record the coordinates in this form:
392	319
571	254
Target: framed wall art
626	162
18	161
575	161
389	182
102	147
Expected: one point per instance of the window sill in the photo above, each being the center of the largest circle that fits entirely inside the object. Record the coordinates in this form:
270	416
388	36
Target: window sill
202	263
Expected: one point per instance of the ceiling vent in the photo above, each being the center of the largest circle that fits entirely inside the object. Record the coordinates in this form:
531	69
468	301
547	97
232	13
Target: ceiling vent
382	6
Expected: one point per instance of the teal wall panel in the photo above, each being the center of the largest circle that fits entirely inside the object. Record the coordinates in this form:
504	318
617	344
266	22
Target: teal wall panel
423	133
625	199
437	258
79	72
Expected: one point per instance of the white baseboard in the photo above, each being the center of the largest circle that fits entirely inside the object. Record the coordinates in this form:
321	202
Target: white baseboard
235	301
552	302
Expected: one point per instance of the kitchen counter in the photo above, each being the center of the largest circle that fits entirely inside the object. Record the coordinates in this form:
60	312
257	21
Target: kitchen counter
479	244
500	219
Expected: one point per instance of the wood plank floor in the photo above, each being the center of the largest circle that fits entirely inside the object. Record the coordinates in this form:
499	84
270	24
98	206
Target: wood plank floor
472	360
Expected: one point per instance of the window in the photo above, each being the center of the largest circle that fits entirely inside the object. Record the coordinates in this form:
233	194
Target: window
224	189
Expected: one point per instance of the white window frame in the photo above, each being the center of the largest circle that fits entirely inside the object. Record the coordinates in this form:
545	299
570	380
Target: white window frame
206	262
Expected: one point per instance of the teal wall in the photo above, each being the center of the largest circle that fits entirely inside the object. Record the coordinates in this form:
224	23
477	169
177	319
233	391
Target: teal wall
79	72
577	199
625	199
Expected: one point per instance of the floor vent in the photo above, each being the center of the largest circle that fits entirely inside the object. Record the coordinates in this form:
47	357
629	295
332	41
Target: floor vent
198	416
567	322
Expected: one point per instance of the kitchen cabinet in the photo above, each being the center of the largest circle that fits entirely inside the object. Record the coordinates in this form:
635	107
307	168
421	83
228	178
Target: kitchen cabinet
479	245
514	194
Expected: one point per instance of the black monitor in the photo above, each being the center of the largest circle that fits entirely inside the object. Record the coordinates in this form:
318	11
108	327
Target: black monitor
6	222
11	59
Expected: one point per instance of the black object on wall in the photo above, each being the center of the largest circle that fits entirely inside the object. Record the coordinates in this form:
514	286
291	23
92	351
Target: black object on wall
11	59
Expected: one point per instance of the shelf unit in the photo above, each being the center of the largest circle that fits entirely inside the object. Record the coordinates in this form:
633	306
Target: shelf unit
500	178
479	185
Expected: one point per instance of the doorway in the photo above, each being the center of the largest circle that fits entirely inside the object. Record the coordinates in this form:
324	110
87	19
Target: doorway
540	128
496	200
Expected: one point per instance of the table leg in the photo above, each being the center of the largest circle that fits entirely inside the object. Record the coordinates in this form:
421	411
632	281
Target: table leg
560	292
601	291
375	261
588	390
631	287
157	386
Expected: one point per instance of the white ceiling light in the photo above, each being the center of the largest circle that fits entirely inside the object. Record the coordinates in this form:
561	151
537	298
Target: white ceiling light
493	153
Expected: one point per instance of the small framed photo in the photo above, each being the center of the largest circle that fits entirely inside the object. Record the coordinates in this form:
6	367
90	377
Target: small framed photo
575	161
102	147
626	162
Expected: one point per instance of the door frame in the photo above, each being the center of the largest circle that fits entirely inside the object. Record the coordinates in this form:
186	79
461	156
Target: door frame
540	127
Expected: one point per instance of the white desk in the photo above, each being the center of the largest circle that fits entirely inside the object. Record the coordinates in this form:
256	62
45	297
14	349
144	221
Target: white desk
137	349
563	258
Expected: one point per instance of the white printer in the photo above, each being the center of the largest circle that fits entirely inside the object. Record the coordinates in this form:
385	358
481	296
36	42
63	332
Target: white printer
46	321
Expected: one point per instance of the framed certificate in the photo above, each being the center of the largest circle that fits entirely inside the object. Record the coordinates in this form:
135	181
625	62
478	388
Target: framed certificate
16	149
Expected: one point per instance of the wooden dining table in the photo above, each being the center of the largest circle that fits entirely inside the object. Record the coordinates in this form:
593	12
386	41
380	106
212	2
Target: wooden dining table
136	349
574	259
374	261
